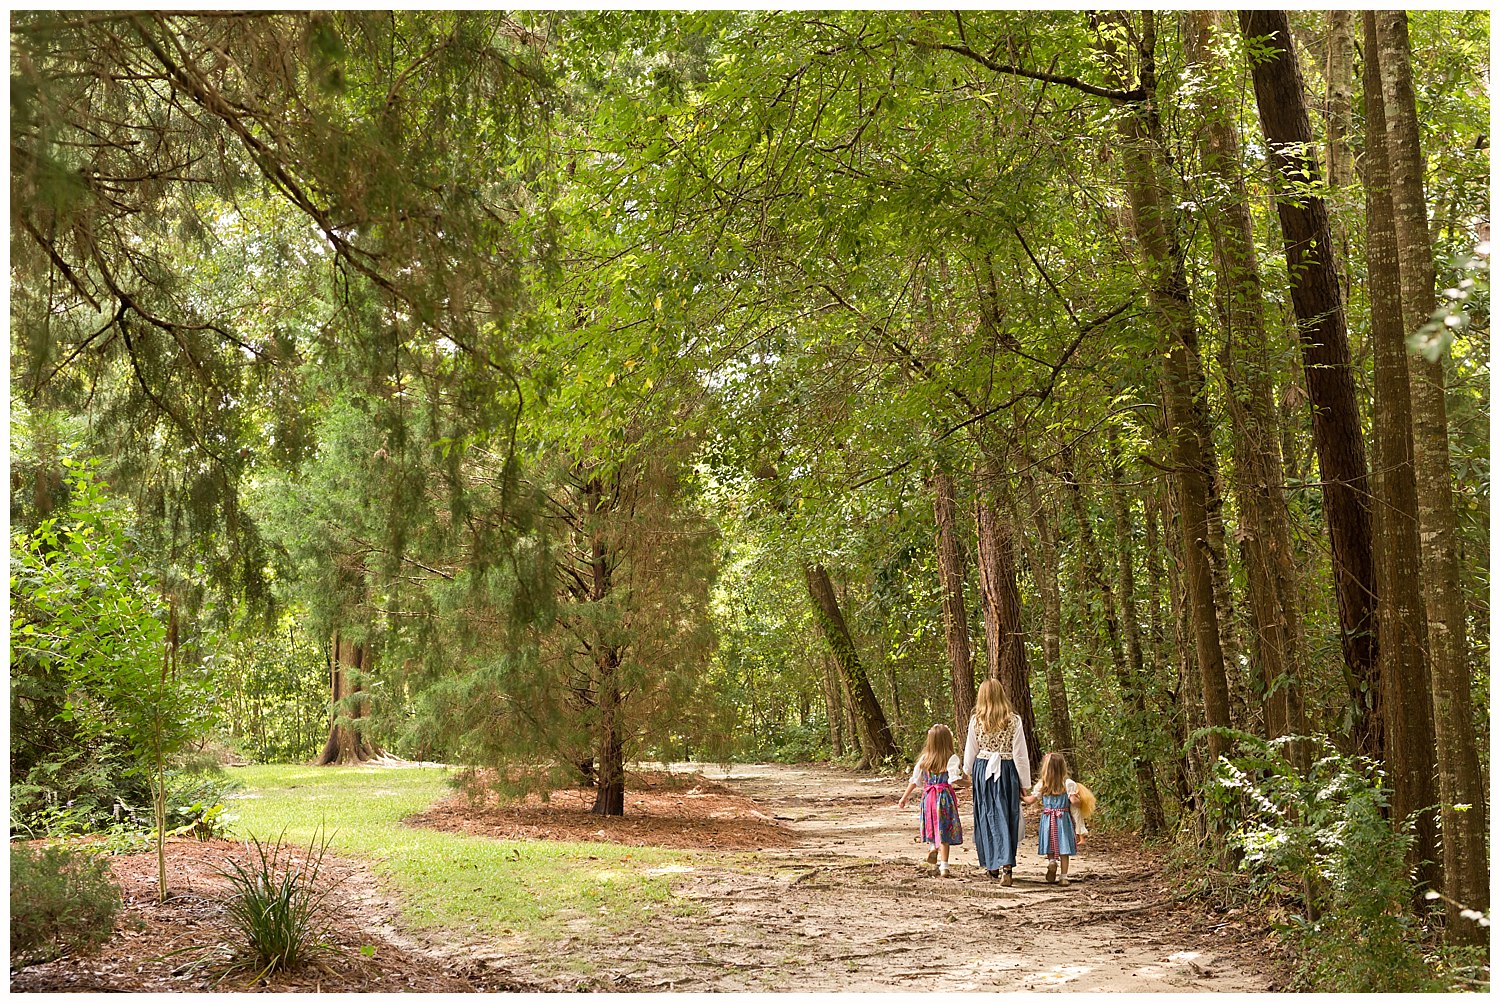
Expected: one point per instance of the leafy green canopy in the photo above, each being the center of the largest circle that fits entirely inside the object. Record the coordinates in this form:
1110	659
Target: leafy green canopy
89	649
206	206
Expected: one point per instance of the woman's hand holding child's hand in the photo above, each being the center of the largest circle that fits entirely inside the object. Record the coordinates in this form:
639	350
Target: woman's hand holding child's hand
1028	799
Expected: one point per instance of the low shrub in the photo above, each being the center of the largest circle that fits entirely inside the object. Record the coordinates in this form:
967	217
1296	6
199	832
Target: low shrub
1322	838
195	805
276	905
61	901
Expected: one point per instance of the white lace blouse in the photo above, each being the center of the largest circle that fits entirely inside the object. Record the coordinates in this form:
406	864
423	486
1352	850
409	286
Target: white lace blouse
999	746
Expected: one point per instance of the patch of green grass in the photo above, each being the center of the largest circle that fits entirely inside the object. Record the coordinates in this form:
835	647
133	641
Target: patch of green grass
445	879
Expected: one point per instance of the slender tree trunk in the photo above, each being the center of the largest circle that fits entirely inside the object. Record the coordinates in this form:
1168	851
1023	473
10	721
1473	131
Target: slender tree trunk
1339	115
1003	630
1398	566
875	741
852	741
835	713
1125	678
1155	583
1465	871
1319	310
1044	569
1156	226
1218	564
1339	80
955	612
1152	820
1248	364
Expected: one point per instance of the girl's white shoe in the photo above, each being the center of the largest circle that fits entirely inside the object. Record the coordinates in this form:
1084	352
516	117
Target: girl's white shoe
943	871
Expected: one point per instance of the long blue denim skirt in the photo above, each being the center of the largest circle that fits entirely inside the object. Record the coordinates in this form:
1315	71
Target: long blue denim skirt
997	813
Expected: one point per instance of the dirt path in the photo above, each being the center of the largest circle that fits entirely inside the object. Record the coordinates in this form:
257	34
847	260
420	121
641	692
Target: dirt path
851	908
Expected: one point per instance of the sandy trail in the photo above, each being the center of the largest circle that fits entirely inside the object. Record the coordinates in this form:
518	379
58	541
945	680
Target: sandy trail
852	907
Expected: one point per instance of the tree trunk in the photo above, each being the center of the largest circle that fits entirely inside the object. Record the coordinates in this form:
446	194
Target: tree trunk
1044	570
1156	226
1339	80
1155	584
955	612
1153	823
1398	566
1247	361
1130	692
875	741
1465	870
347	742
835	711
1339	115
1005	636
1321	326
609	796
851	730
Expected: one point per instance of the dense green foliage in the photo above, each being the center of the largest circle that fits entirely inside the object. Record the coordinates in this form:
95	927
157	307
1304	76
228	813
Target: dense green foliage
1325	833
97	708
485	388
61	900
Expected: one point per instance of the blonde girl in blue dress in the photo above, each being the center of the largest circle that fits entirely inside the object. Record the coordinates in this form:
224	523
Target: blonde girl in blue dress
1057	838
940	824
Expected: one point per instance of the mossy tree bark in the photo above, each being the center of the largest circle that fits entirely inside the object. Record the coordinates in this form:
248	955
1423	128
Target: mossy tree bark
875	740
1264	530
1155	222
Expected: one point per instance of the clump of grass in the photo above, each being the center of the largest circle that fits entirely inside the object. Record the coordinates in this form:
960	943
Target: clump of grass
277	905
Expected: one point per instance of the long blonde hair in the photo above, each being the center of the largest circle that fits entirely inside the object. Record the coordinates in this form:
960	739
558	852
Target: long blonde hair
938	750
1054	773
992	707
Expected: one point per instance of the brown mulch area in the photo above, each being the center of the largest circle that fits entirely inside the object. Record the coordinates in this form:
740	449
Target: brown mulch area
676	811
155	942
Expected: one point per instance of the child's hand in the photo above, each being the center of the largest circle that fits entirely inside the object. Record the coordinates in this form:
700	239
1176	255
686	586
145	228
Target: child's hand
1073	798
901	803
1027	799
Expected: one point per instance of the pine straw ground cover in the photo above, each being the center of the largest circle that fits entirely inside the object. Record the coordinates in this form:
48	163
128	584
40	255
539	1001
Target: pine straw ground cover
156	943
408	856
671	810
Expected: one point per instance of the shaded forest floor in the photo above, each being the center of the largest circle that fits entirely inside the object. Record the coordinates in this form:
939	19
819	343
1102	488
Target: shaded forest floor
791	878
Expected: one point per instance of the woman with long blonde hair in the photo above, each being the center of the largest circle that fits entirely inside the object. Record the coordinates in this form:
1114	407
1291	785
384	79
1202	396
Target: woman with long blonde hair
997	759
